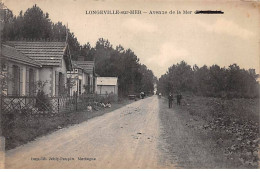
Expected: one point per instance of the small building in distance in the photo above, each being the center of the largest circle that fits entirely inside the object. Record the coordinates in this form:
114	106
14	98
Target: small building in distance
107	86
81	78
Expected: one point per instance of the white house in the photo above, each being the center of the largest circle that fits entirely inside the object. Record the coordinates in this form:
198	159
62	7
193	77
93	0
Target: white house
20	72
81	77
53	59
106	86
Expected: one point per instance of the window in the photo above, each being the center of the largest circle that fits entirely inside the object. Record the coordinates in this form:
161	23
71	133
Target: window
16	79
61	84
79	86
88	84
4	67
31	82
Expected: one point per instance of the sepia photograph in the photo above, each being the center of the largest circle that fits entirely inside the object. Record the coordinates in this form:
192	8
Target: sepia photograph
129	84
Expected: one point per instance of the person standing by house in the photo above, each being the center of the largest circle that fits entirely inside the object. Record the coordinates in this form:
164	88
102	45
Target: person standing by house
170	98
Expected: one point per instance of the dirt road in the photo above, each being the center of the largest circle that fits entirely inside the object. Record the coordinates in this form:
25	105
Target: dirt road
125	138
143	134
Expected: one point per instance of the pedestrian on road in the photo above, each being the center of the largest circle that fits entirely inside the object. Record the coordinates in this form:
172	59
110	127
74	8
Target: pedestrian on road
170	98
179	97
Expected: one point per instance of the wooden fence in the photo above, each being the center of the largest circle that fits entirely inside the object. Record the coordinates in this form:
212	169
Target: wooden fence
27	105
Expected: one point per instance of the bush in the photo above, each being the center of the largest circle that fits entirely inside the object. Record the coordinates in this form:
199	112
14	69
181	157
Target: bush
107	98
42	101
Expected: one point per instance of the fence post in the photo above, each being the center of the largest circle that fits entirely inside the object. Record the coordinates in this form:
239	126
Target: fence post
58	105
76	101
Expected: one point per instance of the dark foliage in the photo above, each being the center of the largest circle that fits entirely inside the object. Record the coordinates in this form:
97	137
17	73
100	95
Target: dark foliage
35	25
133	77
42	101
211	81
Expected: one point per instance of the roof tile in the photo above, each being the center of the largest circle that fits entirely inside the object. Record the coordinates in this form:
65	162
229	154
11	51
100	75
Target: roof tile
87	66
44	52
11	53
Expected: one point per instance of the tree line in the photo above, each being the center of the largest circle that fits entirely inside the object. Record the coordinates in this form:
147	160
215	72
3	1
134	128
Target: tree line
133	76
213	81
35	25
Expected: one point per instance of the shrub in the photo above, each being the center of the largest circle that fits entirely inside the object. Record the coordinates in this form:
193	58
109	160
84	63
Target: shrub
42	101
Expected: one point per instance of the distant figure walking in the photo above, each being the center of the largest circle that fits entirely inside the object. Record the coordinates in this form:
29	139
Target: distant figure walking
179	97
170	98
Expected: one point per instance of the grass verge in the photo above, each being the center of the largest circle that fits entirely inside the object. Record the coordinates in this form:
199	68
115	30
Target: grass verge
233	124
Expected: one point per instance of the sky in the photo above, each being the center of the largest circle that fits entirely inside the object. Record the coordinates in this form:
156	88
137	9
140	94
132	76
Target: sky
161	40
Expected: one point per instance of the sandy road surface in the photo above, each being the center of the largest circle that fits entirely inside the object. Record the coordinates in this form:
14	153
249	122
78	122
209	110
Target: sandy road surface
125	138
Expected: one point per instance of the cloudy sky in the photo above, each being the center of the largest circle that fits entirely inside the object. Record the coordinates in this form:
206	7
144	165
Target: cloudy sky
162	40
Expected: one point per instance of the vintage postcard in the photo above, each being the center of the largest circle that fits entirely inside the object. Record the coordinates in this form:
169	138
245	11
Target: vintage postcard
120	84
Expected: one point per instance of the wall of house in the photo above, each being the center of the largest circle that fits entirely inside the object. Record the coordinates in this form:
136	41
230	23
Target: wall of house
22	78
73	77
80	78
61	69
76	76
37	73
84	81
91	83
46	74
106	89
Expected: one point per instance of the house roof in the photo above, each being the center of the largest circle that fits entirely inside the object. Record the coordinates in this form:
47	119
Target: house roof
87	66
106	80
10	53
46	53
75	66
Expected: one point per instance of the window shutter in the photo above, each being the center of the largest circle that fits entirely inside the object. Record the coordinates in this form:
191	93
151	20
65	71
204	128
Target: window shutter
94	84
16	80
62	79
63	83
10	84
7	79
27	82
34	82
56	83
21	81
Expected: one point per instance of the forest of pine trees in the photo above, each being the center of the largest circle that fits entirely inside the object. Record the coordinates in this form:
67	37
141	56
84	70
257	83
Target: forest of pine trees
213	81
